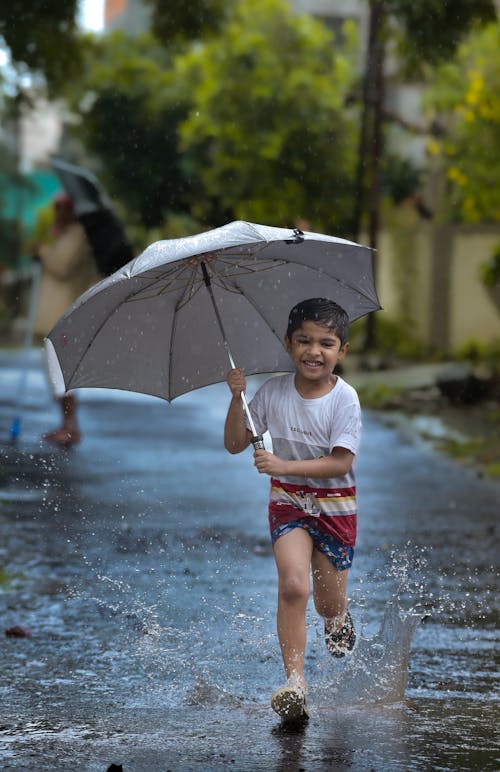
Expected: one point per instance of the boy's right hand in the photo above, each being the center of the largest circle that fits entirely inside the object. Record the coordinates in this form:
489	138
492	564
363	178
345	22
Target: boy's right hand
236	381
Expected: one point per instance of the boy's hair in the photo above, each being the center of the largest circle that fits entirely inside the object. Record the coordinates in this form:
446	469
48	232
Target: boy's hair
322	311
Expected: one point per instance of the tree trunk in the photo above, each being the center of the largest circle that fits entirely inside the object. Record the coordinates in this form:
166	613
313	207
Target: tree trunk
376	101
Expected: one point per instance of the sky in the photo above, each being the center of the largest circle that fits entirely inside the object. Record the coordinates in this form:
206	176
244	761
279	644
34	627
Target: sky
92	14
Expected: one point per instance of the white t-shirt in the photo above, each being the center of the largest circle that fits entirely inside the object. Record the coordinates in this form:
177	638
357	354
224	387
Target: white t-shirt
303	429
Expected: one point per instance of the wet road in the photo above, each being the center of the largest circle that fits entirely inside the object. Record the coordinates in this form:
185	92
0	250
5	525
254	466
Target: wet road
140	563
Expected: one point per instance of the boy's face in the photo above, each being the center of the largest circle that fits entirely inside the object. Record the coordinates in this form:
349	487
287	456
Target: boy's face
315	350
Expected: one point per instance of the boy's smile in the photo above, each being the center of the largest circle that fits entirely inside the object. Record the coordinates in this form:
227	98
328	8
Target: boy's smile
315	350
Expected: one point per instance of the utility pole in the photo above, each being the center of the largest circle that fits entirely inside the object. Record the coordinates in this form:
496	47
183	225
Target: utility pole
376	100
370	148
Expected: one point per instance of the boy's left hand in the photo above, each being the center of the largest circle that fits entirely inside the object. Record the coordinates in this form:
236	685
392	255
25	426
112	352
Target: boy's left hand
268	463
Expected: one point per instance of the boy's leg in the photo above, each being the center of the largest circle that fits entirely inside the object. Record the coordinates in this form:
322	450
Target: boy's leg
292	553
330	588
330	600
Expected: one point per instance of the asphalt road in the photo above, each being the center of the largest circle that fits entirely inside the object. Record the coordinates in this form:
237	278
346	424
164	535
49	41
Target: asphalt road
139	562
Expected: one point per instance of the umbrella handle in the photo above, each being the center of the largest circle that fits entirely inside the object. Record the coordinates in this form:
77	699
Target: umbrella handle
256	437
250	419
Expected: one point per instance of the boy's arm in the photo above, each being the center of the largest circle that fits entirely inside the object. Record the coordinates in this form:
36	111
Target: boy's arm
337	464
236	435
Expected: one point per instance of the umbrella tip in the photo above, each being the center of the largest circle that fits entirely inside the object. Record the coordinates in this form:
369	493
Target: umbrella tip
298	237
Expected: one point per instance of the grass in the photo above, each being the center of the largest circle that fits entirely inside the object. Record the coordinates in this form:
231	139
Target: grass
379	396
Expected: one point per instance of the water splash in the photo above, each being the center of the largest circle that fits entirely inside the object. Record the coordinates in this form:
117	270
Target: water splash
377	670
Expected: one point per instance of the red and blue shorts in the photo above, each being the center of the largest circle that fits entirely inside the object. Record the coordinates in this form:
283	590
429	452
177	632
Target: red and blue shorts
338	554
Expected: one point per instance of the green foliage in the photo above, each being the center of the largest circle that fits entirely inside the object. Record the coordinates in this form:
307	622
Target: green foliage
490	270
479	451
485	354
394	341
400	178
131	109
13	185
174	225
42	36
267	124
431	30
178	20
10	238
465	98
379	396
42	231
250	123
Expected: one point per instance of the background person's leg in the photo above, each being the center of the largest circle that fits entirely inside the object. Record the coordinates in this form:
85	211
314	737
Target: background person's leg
69	432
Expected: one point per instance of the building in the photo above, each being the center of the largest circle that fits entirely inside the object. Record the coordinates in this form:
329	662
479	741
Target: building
131	16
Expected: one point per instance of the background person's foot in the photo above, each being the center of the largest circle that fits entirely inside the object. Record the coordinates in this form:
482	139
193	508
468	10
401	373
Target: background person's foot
63	437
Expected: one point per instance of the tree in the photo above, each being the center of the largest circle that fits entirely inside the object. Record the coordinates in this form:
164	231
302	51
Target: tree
13	186
465	98
41	41
178	21
429	31
425	32
217	129
42	37
129	112
267	123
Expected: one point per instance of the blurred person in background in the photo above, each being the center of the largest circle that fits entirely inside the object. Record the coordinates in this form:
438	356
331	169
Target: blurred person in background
68	268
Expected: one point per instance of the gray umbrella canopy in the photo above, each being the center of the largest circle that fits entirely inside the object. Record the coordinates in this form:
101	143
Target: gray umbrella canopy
165	323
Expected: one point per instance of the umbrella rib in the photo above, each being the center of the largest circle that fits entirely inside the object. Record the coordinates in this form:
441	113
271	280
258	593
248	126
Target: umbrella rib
177	275
245	270
170	354
342	282
89	344
101	325
223	281
285	261
180	302
259	312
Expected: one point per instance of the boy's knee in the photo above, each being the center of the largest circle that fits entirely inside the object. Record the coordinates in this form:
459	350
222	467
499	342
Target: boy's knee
294	588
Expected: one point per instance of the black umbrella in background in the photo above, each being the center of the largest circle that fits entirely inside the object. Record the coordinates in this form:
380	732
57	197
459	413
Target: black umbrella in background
93	209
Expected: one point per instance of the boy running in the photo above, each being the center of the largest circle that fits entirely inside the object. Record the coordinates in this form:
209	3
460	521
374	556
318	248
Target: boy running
314	420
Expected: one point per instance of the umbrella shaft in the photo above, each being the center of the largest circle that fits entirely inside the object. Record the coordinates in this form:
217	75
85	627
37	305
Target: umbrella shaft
208	285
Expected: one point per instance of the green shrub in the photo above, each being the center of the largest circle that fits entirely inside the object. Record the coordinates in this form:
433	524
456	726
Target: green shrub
480	353
490	270
379	396
391	340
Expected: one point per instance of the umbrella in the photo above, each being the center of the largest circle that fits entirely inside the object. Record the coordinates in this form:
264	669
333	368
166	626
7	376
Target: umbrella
168	322
93	209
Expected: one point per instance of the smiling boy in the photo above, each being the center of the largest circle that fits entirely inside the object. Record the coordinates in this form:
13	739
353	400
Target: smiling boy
314	419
